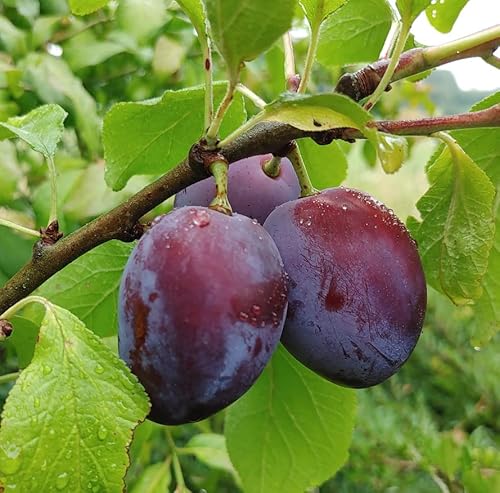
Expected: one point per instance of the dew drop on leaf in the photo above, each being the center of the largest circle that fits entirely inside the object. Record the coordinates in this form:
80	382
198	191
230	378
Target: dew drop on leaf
10	459
102	433
62	481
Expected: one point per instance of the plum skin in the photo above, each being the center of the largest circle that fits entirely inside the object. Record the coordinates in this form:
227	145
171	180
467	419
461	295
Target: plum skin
357	294
250	191
202	305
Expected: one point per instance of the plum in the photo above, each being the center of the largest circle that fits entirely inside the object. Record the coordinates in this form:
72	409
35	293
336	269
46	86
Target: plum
251	191
357	289
202	305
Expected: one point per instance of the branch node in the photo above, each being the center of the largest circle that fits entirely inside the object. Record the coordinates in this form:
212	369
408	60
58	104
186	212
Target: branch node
201	158
51	234
5	329
286	149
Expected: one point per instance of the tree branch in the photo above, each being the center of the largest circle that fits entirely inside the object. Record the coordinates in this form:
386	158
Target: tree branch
268	137
361	84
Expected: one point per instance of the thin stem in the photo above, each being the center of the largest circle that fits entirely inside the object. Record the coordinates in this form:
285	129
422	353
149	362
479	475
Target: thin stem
306	187
21	304
404	31
255	98
9	377
53	190
242	130
311	50
492	60
213	131
453	146
18	227
220	203
272	167
291	77
209	93
179	476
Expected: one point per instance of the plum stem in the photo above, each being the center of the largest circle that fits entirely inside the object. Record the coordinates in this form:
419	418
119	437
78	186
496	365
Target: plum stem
306	187
18	227
272	167
220	203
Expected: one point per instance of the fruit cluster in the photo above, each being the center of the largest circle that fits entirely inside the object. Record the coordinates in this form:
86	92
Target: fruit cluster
206	297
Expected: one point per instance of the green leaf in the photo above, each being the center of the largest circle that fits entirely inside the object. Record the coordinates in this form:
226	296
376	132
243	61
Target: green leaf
317	113
153	136
487	308
442	15
482	146
411	9
84	7
210	448
195	10
392	151
291	430
326	164
41	128
318	10
10	171
12	39
243	29
54	82
355	33
68	420
156	478
85	50
457	228
88	287
141	19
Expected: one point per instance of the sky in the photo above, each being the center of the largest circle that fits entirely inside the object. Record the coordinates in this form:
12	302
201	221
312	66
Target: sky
476	15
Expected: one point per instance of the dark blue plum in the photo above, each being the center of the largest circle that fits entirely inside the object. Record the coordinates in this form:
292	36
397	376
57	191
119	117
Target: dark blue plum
250	191
357	289
202	307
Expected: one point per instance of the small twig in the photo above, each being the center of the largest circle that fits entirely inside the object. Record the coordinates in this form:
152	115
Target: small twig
291	77
255	98
311	52
384	82
18	227
53	190
492	60
213	131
